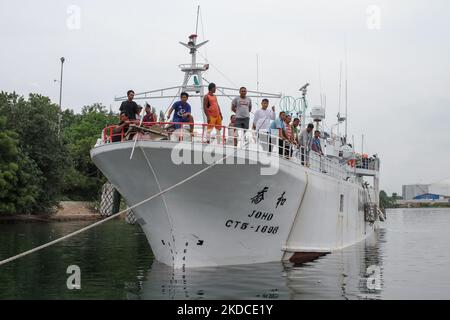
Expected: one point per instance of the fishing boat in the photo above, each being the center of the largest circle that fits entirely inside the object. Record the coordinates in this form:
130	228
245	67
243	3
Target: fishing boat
232	198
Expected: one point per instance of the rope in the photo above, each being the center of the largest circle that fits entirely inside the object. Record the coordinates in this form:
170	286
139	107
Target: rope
220	72
25	253
223	92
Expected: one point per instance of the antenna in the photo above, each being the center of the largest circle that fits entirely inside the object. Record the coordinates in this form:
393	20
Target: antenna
257	75
196	24
203	32
339	103
362	144
304	90
346	90
320	87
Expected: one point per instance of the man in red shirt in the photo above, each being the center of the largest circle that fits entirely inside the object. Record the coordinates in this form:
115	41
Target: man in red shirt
149	115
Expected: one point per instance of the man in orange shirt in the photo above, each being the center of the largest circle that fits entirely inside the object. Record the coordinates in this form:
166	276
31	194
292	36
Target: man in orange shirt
212	112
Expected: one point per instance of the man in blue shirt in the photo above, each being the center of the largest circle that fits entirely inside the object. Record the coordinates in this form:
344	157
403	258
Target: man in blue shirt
278	124
182	111
315	144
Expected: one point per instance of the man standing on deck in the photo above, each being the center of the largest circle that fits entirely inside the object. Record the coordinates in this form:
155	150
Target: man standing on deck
232	132
288	148
121	129
305	143
296	130
261	123
263	117
182	112
213	113
315	144
277	127
129	106
150	115
317	147
242	106
296	134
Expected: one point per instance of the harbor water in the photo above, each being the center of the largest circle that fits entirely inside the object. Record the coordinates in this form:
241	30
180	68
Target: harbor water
407	258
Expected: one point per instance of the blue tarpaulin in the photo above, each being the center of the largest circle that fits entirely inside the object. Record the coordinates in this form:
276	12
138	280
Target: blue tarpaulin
427	196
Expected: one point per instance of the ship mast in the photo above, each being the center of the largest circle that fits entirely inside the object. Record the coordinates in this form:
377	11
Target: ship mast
194	70
196	88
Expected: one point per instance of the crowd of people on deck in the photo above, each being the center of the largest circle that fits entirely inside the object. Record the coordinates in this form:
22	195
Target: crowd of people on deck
265	123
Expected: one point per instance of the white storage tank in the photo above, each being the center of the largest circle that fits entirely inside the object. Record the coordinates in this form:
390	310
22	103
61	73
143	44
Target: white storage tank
318	113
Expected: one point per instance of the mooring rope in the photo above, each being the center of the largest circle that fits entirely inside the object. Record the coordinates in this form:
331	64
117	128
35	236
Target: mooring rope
25	253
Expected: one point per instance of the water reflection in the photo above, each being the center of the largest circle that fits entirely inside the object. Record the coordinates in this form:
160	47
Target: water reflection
408	258
338	275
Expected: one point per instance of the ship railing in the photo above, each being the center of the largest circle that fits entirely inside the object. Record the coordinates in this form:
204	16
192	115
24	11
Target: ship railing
368	163
230	137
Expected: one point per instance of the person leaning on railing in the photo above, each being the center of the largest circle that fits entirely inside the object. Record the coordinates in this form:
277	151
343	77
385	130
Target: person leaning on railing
278	124
288	146
182	112
305	143
150	115
119	131
315	144
295	129
232	132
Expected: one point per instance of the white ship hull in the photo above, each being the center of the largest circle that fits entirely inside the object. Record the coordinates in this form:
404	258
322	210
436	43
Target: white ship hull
212	221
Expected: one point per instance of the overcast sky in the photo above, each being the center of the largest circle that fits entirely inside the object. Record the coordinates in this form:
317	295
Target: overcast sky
398	61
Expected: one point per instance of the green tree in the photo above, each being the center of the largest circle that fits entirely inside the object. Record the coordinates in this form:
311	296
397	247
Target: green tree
385	200
20	177
83	180
395	196
36	122
60	163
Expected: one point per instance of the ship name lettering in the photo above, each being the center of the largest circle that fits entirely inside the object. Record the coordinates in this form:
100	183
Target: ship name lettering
231	223
239	225
261	215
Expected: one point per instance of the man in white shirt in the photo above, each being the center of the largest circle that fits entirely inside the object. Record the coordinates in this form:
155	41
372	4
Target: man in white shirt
263	117
261	123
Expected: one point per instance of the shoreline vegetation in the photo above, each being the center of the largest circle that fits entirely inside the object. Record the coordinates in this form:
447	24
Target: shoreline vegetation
395	201
43	164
